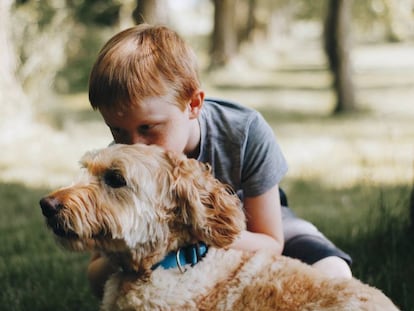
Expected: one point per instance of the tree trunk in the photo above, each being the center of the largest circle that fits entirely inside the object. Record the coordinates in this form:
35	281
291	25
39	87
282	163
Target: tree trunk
126	19
248	22
150	12
398	20
337	48
16	112
224	37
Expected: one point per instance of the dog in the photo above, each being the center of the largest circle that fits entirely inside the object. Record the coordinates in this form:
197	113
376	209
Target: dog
168	224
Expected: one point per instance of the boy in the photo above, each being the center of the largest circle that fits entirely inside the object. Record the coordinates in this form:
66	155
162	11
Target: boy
145	85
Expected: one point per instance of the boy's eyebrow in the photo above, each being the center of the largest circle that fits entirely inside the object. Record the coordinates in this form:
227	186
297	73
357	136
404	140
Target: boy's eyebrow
142	122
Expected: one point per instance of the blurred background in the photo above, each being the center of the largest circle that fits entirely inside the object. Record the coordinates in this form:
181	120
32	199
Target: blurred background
334	79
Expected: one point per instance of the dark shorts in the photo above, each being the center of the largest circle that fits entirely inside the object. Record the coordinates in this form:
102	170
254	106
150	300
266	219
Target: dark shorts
304	241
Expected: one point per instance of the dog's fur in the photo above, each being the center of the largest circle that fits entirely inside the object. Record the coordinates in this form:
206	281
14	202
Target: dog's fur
137	203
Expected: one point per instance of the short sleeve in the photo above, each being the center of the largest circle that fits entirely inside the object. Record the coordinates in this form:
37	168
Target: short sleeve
263	162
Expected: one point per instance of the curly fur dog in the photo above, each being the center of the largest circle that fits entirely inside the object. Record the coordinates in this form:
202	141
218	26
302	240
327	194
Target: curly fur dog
138	204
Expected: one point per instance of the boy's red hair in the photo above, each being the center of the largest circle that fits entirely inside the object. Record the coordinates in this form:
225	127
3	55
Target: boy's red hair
143	61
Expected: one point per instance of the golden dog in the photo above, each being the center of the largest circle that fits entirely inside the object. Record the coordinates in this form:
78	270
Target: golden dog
139	205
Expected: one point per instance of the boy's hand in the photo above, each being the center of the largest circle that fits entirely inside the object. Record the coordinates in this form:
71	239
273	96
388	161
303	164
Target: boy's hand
100	268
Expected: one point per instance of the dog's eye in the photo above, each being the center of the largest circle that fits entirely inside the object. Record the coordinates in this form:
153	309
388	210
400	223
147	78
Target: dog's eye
114	179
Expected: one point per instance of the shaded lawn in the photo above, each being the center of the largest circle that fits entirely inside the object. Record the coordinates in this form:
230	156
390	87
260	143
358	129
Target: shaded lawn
371	223
36	274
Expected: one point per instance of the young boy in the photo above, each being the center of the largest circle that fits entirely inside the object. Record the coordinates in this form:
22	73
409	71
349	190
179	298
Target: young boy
145	85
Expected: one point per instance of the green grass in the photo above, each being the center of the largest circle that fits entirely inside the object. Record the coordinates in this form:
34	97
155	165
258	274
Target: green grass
35	273
370	223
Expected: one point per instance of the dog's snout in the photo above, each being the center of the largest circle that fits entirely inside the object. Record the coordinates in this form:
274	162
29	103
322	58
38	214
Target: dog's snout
50	206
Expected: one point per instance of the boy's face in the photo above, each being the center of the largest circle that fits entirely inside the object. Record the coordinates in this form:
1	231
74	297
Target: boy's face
158	121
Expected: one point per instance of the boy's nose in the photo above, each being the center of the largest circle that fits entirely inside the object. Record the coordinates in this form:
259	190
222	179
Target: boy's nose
135	138
129	139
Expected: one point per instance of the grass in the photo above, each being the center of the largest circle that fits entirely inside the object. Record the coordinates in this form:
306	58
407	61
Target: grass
349	175
371	223
36	274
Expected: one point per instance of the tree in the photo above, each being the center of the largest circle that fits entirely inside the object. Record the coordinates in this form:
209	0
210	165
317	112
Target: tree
16	111
224	37
337	48
398	19
247	21
150	11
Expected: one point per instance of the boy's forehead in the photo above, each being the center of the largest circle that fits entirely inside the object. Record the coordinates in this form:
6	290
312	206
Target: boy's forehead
146	103
148	108
154	101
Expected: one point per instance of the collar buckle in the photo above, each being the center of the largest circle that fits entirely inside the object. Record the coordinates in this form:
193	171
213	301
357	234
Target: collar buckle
177	259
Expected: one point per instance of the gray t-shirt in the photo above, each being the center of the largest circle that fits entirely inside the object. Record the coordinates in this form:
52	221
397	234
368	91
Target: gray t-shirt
240	147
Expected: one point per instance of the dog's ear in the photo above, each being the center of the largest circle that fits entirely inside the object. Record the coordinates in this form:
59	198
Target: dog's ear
206	205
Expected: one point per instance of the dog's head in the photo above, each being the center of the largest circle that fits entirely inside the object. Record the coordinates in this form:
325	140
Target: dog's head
144	200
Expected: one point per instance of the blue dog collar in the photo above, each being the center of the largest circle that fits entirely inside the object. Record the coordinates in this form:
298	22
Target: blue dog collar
189	255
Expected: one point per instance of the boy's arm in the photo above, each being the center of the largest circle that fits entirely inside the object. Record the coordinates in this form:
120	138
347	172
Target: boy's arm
99	270
264	223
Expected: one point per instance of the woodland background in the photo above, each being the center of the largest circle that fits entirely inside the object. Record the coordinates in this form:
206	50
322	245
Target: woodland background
334	78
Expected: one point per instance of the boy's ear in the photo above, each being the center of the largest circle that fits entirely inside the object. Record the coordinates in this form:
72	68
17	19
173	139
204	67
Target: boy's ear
196	103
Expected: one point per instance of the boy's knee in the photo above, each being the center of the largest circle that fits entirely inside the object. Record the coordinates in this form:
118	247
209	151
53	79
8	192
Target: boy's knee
334	267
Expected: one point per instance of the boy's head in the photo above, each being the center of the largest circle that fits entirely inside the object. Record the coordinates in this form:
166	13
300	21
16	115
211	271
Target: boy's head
145	85
140	62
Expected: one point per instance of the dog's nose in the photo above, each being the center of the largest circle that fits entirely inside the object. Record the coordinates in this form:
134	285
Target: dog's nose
50	206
